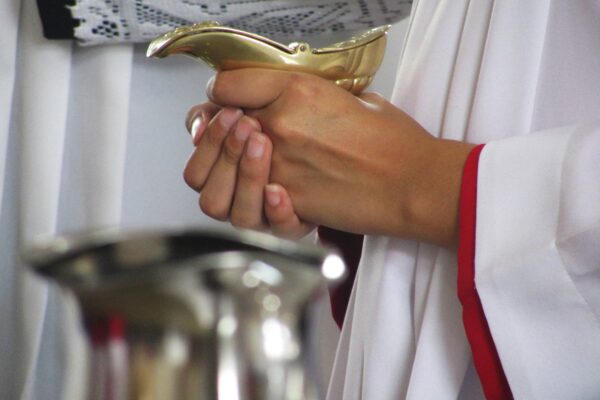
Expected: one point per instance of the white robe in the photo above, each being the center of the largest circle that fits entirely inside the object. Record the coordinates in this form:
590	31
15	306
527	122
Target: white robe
523	77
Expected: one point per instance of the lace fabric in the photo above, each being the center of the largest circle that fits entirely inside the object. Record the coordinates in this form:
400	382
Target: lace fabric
106	21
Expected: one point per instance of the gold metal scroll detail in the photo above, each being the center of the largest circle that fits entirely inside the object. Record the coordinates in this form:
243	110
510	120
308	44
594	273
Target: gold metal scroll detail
351	64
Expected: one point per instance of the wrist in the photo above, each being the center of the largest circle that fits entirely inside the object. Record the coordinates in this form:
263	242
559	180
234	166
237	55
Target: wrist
431	212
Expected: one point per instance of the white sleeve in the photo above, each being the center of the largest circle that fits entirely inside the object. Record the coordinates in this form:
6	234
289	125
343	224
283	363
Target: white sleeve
537	260
103	21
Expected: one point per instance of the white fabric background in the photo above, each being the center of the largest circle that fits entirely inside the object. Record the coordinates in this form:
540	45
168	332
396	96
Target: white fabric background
89	138
522	77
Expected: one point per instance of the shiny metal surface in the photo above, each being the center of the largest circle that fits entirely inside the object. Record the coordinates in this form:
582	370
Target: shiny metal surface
351	64
193	314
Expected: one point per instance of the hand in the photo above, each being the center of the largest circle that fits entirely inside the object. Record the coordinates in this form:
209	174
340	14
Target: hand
355	164
230	167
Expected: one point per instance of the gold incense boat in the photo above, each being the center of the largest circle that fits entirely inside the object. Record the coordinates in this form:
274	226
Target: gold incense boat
351	64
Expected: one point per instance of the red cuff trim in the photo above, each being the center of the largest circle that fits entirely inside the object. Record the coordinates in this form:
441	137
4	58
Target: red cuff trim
485	356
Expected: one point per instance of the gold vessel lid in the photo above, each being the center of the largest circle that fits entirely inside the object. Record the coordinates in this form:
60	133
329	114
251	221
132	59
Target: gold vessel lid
351	64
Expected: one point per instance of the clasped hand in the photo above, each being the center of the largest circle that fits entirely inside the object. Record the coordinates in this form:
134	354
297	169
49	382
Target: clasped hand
288	151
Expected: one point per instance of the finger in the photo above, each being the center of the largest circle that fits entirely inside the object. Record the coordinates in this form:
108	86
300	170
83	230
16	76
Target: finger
282	218
217	195
253	175
209	147
249	88
198	117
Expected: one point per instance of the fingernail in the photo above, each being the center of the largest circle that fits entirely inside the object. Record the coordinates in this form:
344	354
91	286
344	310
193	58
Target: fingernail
229	117
273	196
242	131
210	86
195	129
256	146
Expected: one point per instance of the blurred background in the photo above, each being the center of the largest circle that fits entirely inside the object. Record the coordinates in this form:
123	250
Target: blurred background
92	138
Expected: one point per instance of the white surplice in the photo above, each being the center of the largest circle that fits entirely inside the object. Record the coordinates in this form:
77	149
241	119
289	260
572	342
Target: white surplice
524	78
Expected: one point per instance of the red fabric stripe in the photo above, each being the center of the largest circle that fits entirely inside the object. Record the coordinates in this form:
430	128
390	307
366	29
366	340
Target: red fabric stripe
116	327
485	356
350	245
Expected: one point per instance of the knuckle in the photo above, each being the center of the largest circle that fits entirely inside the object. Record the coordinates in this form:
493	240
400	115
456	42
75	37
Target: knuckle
193	179
297	85
244	221
212	208
377	97
279	124
250	173
373	98
299	79
284	129
214	134
303	86
232	152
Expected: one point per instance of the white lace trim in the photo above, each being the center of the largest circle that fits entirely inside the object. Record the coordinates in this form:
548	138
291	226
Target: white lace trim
105	21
